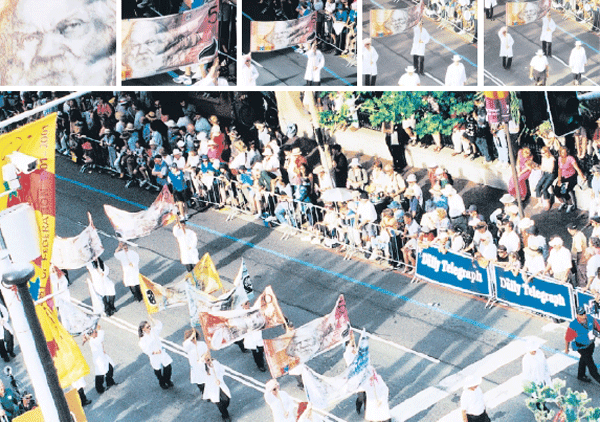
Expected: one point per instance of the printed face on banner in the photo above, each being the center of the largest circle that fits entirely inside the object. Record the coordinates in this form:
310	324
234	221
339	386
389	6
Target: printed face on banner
59	42
156	45
269	36
385	22
519	13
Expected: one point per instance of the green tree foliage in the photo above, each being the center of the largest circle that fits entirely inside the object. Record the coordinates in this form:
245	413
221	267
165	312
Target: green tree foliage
573	406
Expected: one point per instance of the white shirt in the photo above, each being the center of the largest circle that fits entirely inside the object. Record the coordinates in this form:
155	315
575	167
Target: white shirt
456	206
535	368
548	27
456	75
577	60
187	241
130	263
316	62
472	402
539	63
506	45
370	57
248	75
103	285
282	406
366	211
212	387
409	80
560	260
150	343
253	340
534	263
511	240
101	359
195	354
420	39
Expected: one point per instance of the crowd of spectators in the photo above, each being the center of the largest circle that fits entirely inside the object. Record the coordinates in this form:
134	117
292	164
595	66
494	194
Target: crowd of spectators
461	15
378	209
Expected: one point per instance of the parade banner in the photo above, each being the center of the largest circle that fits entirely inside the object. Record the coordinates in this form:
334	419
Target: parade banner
497	105
199	301
27	159
520	13
325	392
458	271
71	253
588	302
73	401
222	328
158	298
243	278
386	22
546	297
66	355
302	344
270	36
75	321
157	45
204	276
131	225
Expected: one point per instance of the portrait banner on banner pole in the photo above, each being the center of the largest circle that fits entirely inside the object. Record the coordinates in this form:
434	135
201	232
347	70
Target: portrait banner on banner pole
386	22
271	36
458	271
521	13
157	45
539	295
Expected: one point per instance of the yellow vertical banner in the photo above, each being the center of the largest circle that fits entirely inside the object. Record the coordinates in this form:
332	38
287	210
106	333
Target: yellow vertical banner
28	176
204	276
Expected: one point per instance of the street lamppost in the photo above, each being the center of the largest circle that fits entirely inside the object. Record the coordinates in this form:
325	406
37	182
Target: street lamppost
18	275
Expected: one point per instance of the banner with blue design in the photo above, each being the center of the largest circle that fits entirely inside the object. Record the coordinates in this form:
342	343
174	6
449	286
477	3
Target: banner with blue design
454	270
586	300
539	295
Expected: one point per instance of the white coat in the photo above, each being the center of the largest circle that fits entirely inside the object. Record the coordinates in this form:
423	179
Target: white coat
535	368
195	354
151	343
97	305
378	408
212	387
489	4
409	80
316	62
282	406
253	340
4	324
548	27
248	75
370	57
130	262
420	39
456	75
506	45
577	60
101	359
103	285
188	242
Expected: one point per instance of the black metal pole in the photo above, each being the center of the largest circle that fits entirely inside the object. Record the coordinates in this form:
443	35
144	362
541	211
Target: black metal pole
18	275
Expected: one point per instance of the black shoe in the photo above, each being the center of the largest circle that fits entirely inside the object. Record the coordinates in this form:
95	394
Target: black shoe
100	391
358	407
227	418
110	385
262	369
164	386
86	402
584	378
170	384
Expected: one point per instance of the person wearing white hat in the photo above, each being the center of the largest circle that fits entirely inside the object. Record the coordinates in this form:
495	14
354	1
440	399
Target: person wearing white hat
472	403
559	260
248	72
369	66
456	74
280	402
506	47
410	78
548	27
314	64
539	68
420	39
358	178
577	62
535	369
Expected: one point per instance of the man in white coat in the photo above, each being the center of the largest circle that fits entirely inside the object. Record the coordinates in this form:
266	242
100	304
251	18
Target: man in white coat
248	72
316	62
577	62
188	245
488	5
456	74
196	350
506	47
103	364
215	389
410	78
370	57
420	39
548	27
535	368
280	402
130	263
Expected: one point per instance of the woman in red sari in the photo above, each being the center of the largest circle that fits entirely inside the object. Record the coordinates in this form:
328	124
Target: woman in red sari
524	167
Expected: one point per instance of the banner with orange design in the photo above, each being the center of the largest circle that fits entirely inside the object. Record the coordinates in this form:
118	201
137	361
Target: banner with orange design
204	276
66	355
271	36
27	161
158	298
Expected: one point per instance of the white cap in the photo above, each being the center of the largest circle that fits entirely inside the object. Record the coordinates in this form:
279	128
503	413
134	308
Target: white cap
577	43
540	52
354	162
472	381
176	151
410	69
456	58
170	123
507	198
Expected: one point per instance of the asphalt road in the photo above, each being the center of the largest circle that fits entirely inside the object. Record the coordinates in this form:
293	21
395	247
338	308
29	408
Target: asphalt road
424	334
527	42
394	51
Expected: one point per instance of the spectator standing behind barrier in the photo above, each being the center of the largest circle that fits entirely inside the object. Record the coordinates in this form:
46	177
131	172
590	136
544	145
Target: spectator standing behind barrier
559	261
580	337
524	166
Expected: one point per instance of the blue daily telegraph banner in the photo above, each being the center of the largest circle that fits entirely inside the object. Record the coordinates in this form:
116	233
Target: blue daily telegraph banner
586	300
453	270
553	299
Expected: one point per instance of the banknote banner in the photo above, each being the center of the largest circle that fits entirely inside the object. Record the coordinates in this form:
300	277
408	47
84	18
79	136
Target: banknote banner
158	298
74	252
543	296
302	344
521	13
222	328
386	22
131	225
27	160
157	45
199	301
204	276
271	36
